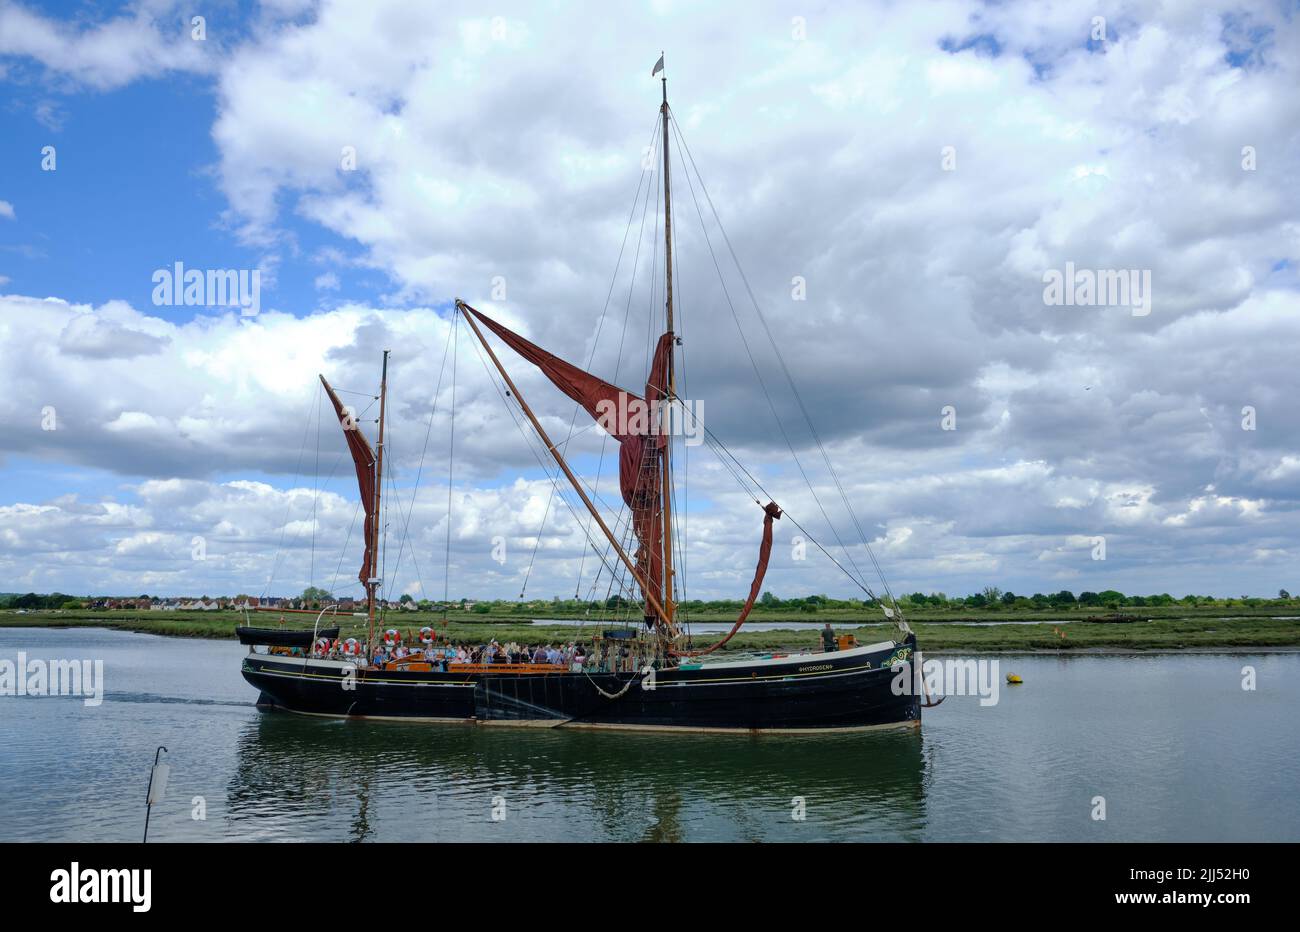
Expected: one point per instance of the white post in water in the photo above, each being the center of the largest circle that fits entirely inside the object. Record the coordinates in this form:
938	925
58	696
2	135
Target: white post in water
157	788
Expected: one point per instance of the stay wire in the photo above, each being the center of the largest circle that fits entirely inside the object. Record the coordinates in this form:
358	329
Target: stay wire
745	342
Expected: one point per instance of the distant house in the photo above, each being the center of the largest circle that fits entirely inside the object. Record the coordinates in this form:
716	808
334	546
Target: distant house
468	604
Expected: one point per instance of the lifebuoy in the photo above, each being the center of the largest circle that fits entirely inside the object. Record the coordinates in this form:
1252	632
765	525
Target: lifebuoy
427	636
391	637
351	647
322	647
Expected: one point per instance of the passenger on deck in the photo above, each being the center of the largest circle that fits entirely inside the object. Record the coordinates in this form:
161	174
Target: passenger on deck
828	639
539	655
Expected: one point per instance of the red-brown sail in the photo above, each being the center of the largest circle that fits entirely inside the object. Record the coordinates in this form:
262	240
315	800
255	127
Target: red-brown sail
629	420
363	457
770	513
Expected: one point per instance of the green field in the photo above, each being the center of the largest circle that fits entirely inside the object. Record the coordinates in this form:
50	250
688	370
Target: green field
1168	627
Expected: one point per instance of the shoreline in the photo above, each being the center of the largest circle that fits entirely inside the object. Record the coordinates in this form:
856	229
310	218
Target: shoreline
939	652
1212	634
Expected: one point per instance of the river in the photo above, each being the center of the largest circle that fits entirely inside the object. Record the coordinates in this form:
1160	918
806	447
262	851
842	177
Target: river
1172	742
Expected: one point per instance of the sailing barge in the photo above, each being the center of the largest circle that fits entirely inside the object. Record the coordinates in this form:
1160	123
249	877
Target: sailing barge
647	676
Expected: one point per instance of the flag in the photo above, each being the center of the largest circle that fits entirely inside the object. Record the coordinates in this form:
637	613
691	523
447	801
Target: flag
659	66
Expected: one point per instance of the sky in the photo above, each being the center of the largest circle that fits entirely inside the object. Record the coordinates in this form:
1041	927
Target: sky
898	183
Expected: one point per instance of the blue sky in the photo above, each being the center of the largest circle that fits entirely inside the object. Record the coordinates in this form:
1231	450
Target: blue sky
135	192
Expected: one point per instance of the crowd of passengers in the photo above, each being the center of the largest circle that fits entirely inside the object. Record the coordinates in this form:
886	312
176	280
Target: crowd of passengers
391	651
572	655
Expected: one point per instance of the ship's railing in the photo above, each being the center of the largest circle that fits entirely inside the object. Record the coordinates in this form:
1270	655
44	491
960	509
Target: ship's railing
507	668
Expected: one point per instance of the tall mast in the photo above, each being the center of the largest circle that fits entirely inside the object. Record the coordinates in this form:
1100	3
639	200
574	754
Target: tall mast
373	582
667	449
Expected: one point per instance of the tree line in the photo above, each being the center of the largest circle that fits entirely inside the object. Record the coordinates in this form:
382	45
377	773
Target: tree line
991	597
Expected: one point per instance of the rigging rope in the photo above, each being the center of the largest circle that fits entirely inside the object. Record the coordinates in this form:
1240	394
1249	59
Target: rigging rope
646	174
437	393
533	442
682	144
451	470
284	522
315	494
339	567
757	371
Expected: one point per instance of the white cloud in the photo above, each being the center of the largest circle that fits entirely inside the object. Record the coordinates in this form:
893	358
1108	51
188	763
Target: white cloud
99	336
511	154
150	40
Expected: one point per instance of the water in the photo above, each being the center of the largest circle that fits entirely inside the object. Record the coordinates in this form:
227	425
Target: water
1173	743
720	627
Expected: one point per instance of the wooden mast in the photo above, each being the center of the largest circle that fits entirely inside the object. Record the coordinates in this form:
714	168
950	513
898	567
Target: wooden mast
373	582
665	418
559	458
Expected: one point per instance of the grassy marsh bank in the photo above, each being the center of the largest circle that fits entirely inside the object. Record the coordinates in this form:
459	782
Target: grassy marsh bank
1161	629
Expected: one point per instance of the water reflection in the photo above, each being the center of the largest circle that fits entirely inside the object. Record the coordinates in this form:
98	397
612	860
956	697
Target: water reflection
307	778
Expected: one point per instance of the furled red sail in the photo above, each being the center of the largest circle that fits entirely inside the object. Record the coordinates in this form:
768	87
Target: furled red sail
770	513
629	420
363	457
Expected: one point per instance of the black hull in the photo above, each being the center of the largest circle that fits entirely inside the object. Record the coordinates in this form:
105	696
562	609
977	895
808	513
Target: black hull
813	692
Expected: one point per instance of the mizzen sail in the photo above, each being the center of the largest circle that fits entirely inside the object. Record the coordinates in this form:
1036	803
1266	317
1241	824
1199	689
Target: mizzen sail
363	458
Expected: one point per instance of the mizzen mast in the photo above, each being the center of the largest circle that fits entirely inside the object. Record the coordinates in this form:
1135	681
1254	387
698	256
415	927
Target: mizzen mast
374	581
